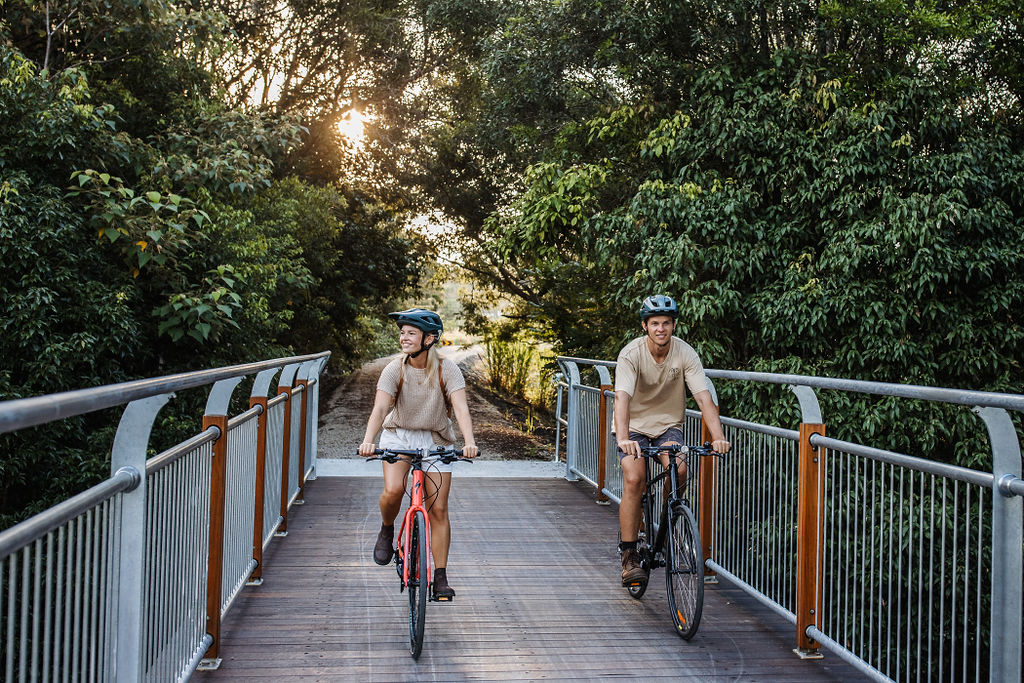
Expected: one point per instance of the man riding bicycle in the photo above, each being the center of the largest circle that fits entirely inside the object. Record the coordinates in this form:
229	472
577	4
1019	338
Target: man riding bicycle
651	376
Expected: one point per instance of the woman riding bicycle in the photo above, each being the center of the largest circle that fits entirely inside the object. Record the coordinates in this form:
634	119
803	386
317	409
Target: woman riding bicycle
651	376
415	394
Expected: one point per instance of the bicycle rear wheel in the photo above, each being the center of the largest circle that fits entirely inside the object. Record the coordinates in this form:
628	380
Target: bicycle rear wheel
643	548
418	559
684	577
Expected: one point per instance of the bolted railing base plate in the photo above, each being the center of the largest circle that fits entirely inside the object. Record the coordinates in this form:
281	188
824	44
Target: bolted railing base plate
808	654
209	664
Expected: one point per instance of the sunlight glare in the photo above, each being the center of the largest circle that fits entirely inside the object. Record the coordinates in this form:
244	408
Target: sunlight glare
351	127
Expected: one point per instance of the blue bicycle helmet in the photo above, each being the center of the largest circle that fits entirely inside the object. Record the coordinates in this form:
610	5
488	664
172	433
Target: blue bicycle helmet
420	318
659	304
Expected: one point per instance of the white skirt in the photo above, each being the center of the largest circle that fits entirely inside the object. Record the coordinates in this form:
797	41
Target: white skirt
413	439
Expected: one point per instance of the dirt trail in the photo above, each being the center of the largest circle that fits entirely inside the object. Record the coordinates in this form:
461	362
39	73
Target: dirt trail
343	417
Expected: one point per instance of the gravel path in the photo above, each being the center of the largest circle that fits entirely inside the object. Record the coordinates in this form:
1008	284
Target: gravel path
343	417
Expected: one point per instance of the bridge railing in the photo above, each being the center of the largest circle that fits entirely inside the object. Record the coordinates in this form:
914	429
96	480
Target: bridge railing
906	568
130	579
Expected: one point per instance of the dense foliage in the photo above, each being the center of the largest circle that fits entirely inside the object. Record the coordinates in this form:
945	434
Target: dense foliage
828	189
150	223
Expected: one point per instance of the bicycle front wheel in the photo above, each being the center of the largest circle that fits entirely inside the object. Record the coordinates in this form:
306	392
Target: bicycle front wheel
685	572
418	559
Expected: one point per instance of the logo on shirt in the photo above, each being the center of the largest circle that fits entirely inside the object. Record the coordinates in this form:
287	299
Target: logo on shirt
674	372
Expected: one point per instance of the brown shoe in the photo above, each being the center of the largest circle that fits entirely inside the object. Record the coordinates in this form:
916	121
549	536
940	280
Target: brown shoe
384	549
632	571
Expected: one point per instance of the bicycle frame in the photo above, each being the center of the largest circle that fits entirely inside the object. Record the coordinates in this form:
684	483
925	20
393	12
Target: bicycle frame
405	531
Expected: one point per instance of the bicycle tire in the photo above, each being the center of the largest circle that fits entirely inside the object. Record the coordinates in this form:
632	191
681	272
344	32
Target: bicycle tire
684	574
418	560
643	547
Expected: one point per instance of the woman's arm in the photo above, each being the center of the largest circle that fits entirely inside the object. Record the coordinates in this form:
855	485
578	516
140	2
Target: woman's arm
462	416
381	403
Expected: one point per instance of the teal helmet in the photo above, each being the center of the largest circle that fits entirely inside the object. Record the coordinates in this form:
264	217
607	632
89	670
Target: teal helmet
659	304
420	318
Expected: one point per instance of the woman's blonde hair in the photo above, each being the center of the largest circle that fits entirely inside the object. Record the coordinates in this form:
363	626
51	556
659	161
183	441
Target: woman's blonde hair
433	363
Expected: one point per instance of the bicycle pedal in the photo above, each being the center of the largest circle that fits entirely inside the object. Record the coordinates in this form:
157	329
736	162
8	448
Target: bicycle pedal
444	598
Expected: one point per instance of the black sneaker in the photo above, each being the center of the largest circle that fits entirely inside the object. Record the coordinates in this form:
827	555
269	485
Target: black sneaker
384	549
442	591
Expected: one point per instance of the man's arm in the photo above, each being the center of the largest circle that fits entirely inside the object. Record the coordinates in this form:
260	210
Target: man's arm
628	446
709	411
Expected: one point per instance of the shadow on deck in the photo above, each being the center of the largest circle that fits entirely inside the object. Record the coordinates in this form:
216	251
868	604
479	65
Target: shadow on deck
536	570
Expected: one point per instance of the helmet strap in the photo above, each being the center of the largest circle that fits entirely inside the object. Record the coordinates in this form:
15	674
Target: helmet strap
424	347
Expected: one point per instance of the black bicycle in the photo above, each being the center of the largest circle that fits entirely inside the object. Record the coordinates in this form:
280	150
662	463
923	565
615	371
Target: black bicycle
674	542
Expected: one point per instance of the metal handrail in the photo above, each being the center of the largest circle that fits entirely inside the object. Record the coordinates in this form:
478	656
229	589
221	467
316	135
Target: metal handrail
938	394
965	397
20	535
28	412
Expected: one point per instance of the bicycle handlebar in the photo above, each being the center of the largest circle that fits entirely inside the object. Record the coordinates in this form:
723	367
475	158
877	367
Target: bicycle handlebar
445	455
705	449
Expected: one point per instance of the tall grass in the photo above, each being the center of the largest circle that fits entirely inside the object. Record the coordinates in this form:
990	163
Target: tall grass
521	369
508	365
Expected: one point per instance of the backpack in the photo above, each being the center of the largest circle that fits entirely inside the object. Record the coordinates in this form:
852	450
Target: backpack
440	379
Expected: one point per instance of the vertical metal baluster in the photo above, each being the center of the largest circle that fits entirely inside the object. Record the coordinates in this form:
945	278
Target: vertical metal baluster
152	605
89	658
909	572
37	592
942	582
921	571
26	558
765	505
69	599
76	633
847	611
977	599
930	629
104	600
870	603
889	575
12	581
4	635
47	608
5	624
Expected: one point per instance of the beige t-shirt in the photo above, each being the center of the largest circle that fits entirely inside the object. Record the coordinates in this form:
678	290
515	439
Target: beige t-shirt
658	390
420	405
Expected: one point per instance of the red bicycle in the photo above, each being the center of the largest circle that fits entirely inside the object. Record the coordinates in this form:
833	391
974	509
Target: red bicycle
412	556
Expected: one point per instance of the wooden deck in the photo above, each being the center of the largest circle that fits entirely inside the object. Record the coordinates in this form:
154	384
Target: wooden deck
536	571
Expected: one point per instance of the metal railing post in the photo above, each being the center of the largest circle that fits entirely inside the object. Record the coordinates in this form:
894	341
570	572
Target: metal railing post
572	419
708	495
1007	540
558	413
216	415
258	397
810	510
284	386
302	380
129	453
314	416
603	431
